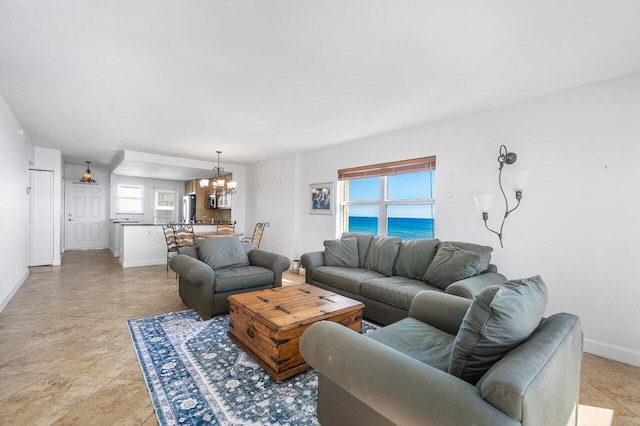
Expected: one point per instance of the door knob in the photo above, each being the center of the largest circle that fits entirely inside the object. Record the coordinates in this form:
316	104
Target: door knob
71	220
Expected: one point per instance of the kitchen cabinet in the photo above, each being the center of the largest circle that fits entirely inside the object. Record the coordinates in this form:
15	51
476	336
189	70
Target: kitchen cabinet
190	186
201	203
204	213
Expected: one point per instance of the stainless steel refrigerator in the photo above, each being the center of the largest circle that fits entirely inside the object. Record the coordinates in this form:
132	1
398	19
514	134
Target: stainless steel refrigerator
189	208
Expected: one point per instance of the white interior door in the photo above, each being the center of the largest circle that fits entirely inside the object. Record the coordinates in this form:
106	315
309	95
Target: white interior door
41	218
85	216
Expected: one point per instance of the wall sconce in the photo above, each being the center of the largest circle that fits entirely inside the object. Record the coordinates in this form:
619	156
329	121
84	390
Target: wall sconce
518	182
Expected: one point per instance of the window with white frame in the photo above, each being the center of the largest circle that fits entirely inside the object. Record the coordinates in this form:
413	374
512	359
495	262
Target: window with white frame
164	205
395	199
130	199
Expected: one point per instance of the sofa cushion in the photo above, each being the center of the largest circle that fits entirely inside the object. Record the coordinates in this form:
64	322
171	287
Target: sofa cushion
343	252
347	279
222	252
238	277
382	253
364	242
395	291
420	341
484	251
500	318
414	257
451	264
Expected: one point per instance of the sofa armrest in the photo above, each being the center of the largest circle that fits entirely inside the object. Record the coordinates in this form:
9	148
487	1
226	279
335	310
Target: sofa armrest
311	260
191	251
441	310
193	270
406	391
273	261
469	287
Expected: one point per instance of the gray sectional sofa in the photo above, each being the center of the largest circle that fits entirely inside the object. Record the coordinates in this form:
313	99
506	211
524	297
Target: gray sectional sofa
386	273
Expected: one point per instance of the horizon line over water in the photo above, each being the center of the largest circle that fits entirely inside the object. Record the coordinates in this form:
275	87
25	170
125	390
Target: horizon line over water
406	228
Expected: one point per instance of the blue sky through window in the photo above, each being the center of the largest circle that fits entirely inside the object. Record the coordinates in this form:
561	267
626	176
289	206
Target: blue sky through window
410	185
400	187
364	189
363	211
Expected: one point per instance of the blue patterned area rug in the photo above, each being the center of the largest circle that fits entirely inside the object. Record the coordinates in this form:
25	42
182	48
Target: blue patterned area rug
197	376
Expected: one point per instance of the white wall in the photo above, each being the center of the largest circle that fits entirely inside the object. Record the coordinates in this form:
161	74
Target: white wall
149	186
14	179
271	187
578	225
51	159
239	201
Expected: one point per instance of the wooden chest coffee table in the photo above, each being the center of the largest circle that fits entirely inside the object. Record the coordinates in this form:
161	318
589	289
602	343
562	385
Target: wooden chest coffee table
267	324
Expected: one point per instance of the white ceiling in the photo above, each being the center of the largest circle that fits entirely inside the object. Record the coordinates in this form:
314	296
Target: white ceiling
258	79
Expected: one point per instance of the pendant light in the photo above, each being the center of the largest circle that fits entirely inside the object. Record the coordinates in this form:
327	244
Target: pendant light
87	177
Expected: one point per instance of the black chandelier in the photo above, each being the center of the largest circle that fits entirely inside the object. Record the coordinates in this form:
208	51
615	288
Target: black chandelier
219	184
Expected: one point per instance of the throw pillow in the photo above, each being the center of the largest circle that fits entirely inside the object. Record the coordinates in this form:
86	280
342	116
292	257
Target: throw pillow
414	257
382	254
484	251
341	253
451	264
499	318
222	252
364	242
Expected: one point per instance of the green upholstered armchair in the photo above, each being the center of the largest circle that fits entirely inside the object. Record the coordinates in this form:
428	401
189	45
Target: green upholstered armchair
411	373
218	267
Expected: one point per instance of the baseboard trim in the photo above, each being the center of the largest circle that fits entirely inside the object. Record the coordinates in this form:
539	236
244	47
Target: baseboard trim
616	353
115	253
13	291
133	263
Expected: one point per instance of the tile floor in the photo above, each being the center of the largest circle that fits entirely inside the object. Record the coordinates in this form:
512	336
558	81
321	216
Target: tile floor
66	356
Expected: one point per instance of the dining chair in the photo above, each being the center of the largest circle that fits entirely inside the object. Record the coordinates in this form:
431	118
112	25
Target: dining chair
227	228
184	234
170	238
257	235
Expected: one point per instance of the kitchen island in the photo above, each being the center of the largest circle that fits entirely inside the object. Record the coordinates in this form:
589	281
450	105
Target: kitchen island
143	244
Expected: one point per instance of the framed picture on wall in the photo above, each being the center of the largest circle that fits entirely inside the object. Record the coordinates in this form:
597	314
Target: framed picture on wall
321	195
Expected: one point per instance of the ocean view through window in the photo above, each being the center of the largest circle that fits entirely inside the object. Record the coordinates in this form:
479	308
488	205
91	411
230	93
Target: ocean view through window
395	199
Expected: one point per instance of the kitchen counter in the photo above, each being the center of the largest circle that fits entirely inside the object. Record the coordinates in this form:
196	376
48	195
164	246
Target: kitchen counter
134	223
143	243
139	244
